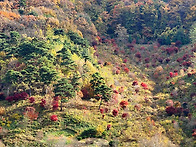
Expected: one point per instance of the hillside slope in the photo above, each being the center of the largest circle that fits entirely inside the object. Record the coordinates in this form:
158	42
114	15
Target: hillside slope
96	73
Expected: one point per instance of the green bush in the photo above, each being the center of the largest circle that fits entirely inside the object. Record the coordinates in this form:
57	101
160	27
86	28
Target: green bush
90	133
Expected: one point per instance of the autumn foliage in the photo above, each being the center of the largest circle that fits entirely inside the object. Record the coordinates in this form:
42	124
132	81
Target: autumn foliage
17	97
53	118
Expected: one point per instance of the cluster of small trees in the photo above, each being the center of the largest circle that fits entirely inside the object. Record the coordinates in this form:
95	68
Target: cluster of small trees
35	66
33	62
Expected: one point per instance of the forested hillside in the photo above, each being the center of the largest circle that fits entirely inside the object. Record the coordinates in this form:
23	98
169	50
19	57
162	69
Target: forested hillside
98	73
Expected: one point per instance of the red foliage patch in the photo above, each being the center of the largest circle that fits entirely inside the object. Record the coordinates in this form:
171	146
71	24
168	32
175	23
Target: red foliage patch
117	71
179	60
189	74
194	134
115	112
135	83
106	110
171	50
125	60
147	60
171	74
125	115
175	74
185	56
56	98
53	118
170	110
9	98
126	70
187	63
30	113
109	126
43	103
17	97
123	104
55	105
115	91
144	85
138	55
31	99
101	110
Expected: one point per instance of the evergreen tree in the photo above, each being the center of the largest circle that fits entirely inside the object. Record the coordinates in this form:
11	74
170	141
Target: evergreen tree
10	44
75	81
85	54
33	49
12	78
47	75
64	89
66	60
15	38
3	41
30	75
101	90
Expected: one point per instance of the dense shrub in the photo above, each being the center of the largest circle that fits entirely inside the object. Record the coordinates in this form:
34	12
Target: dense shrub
123	104
89	133
53	118
170	110
31	99
43	103
144	85
55	105
30	113
17	97
115	112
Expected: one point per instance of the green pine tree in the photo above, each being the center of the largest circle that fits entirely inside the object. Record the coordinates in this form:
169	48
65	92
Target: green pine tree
101	90
65	90
75	81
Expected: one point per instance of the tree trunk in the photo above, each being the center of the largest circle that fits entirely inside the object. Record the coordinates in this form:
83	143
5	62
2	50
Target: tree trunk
29	90
8	91
61	106
100	104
